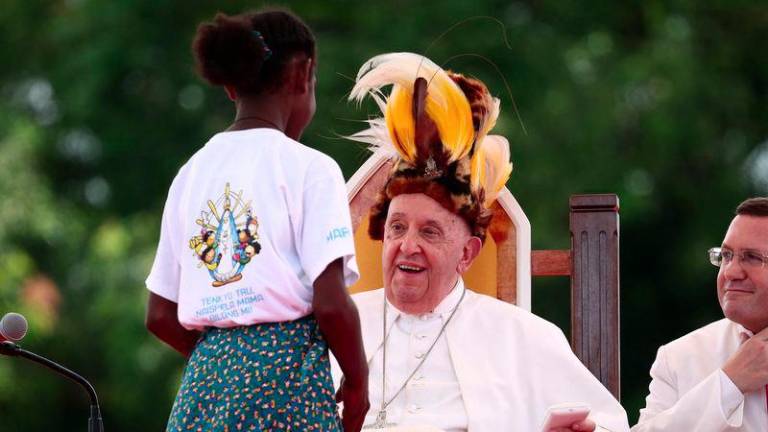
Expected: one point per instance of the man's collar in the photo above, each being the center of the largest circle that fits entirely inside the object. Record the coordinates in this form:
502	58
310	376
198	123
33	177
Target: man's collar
444	308
742	332
451	300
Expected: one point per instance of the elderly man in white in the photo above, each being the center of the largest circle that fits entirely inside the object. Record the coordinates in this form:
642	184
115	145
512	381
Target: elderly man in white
441	357
455	360
714	378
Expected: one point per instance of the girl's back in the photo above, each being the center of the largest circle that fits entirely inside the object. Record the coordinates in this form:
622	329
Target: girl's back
253	218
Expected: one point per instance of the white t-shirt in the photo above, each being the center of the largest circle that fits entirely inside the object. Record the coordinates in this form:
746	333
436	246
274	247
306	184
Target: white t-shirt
251	220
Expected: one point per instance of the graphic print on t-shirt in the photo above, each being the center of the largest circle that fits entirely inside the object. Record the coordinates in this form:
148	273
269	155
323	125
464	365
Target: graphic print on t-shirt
228	238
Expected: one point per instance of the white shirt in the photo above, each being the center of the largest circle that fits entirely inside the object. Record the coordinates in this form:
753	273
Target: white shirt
690	391
251	220
433	395
731	398
510	366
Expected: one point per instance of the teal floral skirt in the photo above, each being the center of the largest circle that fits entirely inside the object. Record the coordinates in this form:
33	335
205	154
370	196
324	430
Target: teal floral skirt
264	377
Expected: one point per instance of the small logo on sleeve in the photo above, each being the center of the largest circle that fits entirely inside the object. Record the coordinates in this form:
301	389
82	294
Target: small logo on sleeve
337	233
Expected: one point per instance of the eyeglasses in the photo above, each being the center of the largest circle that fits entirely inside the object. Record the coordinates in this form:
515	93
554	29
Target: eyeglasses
747	258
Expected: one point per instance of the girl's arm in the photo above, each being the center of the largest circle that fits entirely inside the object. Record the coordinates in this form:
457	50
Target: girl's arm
162	321
340	324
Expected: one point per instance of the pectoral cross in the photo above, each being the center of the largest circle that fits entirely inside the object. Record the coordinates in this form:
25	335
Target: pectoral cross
381	421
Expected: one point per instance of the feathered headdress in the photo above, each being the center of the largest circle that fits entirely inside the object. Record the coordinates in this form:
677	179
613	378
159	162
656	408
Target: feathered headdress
436	125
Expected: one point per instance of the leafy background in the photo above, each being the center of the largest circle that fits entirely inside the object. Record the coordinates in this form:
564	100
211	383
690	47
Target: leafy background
663	103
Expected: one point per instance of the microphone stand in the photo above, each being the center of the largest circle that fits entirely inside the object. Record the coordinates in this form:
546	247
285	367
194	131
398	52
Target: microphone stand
94	422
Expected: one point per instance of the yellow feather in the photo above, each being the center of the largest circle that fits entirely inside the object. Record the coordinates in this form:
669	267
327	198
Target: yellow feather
398	115
476	169
491	168
452	114
446	104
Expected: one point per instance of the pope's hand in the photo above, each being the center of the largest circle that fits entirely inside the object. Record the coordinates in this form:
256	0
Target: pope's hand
585	425
356	406
748	367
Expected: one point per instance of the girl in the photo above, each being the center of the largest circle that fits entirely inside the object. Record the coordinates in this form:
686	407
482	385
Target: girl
255	330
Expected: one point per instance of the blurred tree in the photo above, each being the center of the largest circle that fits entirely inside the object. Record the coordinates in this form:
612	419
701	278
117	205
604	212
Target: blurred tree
663	103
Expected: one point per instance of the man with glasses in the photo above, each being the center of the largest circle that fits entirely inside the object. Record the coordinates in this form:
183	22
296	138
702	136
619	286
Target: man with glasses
714	379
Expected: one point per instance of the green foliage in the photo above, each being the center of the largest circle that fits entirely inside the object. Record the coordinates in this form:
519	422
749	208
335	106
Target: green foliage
663	103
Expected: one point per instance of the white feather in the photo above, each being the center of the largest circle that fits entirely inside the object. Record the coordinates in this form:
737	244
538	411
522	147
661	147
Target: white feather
376	136
395	68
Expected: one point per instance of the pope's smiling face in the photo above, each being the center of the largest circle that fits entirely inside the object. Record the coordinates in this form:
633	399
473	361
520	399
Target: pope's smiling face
743	289
426	249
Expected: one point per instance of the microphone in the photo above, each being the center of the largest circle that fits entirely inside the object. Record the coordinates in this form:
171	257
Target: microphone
13	328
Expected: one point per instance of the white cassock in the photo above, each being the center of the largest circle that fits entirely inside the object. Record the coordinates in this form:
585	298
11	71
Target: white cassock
690	392
495	368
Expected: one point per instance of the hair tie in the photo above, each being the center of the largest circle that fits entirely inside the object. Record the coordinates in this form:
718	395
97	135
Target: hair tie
263	43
